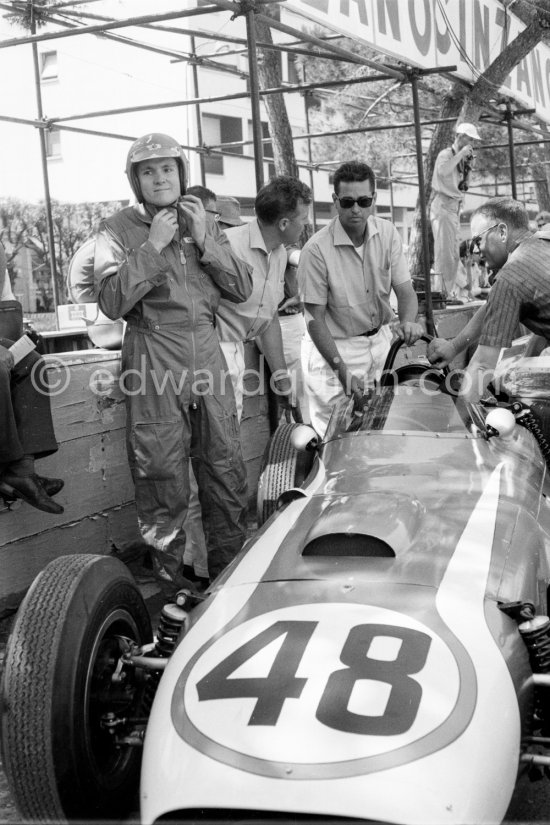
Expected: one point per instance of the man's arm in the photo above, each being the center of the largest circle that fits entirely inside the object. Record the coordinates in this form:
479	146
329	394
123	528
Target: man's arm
325	343
441	352
407	309
122	279
271	344
446	163
479	373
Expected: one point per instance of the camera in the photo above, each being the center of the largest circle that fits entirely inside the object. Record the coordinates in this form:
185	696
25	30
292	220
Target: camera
468	163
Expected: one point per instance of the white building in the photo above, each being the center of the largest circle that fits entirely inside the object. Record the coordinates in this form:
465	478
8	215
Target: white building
85	74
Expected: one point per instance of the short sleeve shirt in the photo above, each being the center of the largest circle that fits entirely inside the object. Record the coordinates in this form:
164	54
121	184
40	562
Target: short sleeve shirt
521	294
245	321
355	291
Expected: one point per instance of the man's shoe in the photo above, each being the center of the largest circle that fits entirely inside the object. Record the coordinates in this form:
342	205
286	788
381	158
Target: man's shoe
30	489
52	486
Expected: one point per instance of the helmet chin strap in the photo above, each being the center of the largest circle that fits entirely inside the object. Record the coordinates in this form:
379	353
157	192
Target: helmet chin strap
153	210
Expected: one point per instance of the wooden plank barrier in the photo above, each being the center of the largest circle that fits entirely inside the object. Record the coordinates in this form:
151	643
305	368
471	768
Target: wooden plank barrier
89	417
100	517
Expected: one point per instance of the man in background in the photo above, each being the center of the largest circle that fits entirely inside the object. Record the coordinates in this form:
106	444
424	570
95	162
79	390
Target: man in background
26	427
520	293
229	211
281	212
450	182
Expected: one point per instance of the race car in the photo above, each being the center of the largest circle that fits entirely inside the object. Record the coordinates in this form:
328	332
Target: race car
379	651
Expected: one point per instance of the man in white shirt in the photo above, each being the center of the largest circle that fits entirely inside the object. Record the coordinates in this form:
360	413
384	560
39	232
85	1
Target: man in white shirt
282	210
346	273
450	182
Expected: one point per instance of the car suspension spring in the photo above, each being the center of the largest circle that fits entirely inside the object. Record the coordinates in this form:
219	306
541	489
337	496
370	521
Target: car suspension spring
525	416
172	619
536	635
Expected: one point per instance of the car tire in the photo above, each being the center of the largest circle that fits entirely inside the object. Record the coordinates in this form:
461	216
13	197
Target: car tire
56	684
283	467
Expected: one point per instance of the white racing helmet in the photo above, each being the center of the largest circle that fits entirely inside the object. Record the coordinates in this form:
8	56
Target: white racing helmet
154	145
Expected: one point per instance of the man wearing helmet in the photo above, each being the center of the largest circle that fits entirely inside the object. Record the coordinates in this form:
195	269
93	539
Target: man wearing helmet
163	267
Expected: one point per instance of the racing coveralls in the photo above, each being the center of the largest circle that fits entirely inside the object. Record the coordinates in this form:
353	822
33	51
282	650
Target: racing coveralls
179	398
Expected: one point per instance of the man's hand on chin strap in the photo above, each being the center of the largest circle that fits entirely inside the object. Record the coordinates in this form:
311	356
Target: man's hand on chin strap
192	208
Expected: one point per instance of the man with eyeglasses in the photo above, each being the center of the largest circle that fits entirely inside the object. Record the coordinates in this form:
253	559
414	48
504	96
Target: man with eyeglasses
346	273
520	294
449	183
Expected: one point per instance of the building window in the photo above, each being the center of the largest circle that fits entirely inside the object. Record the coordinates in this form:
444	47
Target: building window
266	147
293	70
53	143
216	130
48	66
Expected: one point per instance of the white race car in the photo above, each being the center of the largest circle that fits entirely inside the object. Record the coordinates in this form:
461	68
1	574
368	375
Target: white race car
380	650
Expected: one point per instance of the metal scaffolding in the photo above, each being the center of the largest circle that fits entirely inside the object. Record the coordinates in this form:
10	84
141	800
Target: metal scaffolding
250	9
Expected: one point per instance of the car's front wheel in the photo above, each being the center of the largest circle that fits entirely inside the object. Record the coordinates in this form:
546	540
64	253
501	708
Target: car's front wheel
63	691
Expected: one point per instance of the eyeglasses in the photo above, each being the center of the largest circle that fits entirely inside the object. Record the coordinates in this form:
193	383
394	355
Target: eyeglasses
475	242
217	215
346	202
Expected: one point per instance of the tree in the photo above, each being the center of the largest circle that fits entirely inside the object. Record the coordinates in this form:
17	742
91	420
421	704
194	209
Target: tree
468	105
269	72
23	225
439	98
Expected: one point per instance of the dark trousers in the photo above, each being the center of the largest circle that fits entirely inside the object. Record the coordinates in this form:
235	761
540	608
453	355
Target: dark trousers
26	426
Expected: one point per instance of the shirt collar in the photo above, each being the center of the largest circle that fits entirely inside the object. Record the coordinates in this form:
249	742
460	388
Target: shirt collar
341	237
256	237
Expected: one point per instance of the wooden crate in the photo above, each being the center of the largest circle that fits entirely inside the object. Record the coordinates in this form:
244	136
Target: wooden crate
89	417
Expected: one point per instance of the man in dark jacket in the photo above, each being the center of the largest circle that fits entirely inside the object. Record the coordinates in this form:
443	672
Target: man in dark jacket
26	429
163	267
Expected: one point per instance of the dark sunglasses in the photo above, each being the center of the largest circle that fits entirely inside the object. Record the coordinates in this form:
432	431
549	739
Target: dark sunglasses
213	212
346	202
475	242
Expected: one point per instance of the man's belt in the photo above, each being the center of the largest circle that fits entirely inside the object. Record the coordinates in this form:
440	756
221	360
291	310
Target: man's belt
371	332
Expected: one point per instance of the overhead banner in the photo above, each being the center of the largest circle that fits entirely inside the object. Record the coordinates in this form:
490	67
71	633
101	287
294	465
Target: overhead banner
468	34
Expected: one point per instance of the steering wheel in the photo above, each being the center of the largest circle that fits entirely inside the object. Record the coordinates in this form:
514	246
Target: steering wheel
408	371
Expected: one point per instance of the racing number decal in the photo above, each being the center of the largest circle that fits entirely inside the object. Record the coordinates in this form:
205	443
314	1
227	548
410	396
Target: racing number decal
281	683
405	693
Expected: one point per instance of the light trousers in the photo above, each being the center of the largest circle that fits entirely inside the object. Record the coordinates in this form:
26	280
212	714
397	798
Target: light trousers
365	358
